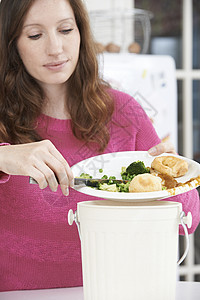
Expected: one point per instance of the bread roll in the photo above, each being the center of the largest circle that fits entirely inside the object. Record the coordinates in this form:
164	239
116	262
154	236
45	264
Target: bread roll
170	165
145	183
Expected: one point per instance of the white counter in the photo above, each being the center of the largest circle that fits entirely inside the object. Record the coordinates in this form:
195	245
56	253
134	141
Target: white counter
185	291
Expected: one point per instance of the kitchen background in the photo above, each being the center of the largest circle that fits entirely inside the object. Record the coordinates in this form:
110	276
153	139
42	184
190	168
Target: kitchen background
168	29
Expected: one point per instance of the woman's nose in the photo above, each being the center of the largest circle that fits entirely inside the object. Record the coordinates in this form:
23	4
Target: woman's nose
54	44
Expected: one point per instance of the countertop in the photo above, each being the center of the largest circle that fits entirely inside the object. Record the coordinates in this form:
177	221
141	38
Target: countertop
185	291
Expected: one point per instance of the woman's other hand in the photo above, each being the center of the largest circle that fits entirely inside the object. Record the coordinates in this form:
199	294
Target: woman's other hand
164	147
40	160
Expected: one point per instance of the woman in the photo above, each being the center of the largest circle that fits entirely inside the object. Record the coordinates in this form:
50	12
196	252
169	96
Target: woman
54	112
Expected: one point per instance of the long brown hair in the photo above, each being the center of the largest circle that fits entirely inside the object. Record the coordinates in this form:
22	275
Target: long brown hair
21	97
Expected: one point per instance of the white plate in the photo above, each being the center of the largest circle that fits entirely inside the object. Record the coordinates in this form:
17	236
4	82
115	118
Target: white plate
112	163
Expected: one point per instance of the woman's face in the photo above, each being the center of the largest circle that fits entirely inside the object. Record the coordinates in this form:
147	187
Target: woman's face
50	41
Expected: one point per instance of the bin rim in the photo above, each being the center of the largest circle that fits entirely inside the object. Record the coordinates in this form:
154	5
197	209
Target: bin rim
135	205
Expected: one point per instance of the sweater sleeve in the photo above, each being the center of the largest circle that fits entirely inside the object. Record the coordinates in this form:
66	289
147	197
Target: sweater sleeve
3	176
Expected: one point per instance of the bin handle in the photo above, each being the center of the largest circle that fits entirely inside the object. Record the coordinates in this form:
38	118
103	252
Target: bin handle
185	220
72	217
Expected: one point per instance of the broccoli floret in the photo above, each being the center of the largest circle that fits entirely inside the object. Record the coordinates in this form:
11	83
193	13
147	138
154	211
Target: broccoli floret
125	175
137	167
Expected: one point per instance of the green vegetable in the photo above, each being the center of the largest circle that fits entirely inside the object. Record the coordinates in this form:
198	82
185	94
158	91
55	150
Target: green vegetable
124	187
123	169
135	168
108	187
85	175
100	170
126	176
112	177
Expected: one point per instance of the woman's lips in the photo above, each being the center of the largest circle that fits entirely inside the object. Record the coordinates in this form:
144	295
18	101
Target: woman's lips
55	66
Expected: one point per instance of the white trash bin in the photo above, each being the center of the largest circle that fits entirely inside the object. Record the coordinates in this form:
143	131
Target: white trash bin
129	250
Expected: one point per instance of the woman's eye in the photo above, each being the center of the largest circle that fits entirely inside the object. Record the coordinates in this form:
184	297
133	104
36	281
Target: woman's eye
34	37
66	31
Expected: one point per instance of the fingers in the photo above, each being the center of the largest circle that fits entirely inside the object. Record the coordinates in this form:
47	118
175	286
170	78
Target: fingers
57	174
39	177
46	174
63	164
53	169
164	147
65	175
51	174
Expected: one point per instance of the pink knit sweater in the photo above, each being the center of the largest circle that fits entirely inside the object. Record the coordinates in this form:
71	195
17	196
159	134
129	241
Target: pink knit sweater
38	249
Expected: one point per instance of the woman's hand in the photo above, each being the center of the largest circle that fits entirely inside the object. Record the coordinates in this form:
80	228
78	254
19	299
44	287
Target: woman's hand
164	147
40	160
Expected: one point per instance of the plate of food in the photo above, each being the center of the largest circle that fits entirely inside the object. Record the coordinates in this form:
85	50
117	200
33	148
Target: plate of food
135	176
